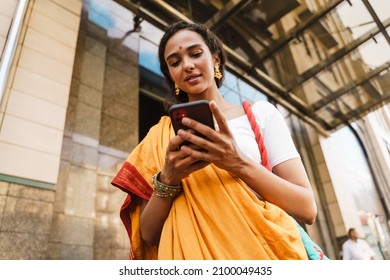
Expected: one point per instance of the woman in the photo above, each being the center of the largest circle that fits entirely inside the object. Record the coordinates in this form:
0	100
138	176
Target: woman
212	199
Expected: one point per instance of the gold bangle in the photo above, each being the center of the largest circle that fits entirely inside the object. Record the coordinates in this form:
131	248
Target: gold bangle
164	190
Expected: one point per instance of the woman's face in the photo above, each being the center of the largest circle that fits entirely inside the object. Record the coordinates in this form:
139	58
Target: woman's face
190	63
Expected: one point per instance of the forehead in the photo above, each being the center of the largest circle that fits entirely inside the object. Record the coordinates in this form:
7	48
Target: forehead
182	40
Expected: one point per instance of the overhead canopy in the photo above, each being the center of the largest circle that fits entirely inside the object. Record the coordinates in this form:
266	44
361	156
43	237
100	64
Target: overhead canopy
256	41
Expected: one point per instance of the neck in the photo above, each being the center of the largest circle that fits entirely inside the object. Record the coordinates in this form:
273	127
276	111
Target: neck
228	109
213	95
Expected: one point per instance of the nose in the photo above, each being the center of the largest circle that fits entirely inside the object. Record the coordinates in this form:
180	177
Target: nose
188	64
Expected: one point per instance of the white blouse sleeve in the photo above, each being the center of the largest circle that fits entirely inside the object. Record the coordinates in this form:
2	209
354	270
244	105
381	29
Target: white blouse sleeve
277	138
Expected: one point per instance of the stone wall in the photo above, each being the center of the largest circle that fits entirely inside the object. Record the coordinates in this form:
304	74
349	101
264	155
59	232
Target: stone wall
31	134
101	129
25	218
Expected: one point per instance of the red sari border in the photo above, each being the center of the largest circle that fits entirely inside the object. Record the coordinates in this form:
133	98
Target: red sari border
129	180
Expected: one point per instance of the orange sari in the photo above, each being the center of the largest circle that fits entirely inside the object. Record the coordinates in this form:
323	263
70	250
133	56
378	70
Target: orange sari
216	217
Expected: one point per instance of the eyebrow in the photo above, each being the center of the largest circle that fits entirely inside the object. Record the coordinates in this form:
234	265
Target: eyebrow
188	49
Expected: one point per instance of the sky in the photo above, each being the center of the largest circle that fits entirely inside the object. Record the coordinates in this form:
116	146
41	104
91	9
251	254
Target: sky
357	17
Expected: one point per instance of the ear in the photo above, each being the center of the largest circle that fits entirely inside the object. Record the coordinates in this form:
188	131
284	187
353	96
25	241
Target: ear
216	60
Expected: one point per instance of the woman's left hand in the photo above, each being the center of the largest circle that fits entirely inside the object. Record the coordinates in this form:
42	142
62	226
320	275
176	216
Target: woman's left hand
218	148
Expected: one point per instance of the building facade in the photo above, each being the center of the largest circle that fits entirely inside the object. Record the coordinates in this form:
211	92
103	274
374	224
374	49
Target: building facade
82	88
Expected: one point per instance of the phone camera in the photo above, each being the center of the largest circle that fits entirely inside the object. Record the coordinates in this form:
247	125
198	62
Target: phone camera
179	115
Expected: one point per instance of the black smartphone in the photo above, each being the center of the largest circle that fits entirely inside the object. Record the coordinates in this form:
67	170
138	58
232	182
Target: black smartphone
196	110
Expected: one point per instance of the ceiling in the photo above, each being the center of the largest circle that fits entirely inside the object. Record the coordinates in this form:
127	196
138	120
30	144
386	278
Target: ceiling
258	50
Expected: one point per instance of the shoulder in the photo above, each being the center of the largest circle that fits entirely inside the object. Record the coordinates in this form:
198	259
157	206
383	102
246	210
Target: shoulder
275	132
350	242
267	114
346	244
164	120
264	110
362	241
264	107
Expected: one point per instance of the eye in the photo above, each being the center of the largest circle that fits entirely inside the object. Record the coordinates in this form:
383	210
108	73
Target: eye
197	54
174	63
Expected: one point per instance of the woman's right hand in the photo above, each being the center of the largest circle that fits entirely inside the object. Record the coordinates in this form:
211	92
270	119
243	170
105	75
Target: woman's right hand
154	211
178	165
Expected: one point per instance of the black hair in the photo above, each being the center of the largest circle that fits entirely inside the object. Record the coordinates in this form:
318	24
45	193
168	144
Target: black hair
213	43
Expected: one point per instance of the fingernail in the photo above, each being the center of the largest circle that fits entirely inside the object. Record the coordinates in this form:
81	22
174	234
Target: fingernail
186	121
181	132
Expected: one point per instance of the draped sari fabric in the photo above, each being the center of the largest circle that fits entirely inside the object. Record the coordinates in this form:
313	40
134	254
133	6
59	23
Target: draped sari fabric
216	217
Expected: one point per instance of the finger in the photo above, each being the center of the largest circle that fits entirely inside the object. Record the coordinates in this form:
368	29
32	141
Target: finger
201	128
174	143
195	155
195	142
188	165
192	168
221	121
196	165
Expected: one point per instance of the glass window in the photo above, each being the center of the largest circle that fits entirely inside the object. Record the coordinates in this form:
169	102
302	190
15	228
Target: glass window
148	57
236	90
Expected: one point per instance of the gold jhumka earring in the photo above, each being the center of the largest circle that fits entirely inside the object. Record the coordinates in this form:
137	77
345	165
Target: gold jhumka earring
217	73
177	89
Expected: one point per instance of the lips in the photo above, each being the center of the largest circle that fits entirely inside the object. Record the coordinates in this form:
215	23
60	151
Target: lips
191	78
